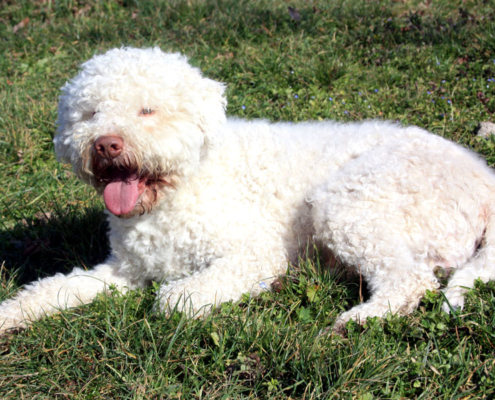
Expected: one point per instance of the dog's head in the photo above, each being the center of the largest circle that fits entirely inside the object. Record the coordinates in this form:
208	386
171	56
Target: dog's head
135	122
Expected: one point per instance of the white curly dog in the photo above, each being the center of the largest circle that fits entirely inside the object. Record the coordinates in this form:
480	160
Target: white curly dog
214	207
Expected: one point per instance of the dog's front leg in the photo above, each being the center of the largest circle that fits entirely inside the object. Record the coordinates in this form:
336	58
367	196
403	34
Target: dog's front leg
225	279
47	296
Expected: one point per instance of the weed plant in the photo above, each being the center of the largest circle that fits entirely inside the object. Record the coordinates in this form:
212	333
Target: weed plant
429	63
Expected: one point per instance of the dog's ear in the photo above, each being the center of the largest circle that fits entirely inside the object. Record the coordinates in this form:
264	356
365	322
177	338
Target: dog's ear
61	148
61	141
212	108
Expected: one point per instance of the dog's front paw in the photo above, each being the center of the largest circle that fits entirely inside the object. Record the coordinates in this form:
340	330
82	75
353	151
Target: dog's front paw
9	322
454	299
171	299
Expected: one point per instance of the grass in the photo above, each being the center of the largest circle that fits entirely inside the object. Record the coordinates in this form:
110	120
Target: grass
429	63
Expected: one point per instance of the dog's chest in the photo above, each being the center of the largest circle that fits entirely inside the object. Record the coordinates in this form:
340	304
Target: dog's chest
160	246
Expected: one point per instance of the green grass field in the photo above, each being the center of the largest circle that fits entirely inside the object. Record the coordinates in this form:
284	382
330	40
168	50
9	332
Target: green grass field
430	63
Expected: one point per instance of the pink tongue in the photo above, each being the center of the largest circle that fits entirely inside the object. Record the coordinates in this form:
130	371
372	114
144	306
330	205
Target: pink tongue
121	194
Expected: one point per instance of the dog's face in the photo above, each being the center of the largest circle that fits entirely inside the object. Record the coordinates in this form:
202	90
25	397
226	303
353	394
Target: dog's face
133	123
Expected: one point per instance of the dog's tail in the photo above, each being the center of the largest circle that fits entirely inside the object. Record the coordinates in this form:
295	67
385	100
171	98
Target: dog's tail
481	266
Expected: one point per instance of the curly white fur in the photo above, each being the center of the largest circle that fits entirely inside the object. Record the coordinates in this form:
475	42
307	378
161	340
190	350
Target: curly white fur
224	204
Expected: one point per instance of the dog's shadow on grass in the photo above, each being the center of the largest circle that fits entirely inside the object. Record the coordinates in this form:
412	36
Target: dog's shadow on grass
54	242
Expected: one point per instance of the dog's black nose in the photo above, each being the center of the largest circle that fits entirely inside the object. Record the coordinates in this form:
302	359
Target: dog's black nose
109	147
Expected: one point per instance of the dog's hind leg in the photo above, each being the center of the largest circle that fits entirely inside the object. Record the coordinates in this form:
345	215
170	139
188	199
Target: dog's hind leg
376	248
396	279
47	296
399	291
481	266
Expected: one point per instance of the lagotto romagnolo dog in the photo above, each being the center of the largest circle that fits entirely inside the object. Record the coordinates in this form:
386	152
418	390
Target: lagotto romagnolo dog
214	207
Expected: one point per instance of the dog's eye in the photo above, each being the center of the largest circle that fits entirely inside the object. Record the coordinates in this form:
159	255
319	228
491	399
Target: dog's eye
146	111
88	115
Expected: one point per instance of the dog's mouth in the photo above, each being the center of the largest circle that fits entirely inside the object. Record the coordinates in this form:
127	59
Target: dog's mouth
128	187
122	192
127	193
